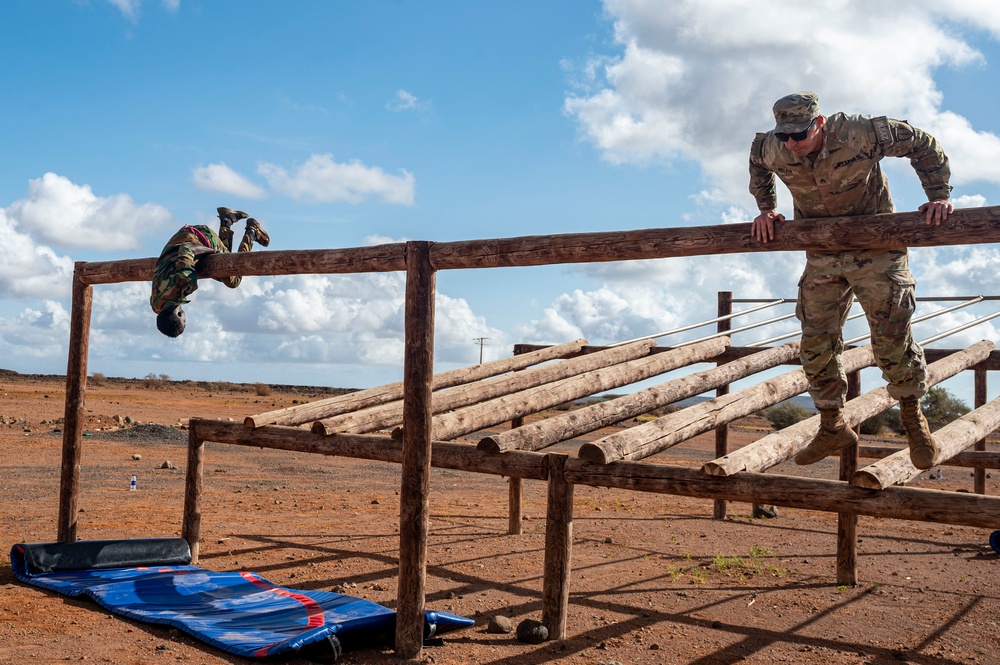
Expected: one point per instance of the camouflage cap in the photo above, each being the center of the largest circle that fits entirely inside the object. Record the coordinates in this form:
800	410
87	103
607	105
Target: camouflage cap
794	113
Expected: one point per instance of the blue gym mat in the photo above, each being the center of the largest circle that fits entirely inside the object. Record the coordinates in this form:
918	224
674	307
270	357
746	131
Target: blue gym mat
239	612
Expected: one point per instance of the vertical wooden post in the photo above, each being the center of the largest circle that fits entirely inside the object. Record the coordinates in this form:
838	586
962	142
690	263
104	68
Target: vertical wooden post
979	480
76	395
847	523
722	431
414	503
191	526
558	548
514	490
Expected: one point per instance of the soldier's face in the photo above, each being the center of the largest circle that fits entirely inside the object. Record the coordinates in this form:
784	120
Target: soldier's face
811	143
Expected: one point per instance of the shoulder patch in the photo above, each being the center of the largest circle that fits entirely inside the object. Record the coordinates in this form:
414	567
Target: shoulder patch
882	132
757	149
904	132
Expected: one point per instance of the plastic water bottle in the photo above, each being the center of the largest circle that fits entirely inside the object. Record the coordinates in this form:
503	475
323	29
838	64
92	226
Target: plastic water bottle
131	485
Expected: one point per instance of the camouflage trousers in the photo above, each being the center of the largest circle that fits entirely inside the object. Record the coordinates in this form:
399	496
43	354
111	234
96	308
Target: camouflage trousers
175	276
882	282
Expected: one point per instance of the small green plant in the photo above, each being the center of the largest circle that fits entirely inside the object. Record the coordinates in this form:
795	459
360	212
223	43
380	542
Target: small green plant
699	575
842	587
785	414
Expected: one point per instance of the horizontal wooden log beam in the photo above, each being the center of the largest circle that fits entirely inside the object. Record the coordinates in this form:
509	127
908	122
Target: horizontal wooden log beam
381	448
904	503
378	258
904	229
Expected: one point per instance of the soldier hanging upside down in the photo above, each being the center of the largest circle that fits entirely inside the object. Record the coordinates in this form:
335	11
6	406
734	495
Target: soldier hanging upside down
175	277
831	167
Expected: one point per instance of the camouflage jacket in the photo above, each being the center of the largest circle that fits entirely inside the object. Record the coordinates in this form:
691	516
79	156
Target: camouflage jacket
174	277
844	178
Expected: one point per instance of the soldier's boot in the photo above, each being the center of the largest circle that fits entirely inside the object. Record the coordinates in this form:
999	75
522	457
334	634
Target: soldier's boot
228	216
833	435
924	449
260	235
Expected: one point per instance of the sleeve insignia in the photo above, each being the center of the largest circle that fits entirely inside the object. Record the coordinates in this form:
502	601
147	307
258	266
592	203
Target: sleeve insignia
882	132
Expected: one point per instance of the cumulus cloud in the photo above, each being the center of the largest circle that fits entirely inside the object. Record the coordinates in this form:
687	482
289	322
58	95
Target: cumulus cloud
128	8
693	80
69	215
406	101
28	269
220	178
322	180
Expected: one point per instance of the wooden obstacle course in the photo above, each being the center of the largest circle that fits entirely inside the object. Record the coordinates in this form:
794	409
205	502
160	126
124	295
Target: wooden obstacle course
418	450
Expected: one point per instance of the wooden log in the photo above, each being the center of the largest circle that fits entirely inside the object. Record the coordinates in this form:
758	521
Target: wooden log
980	397
775	448
414	491
193	482
591	418
952	439
374	419
969	459
495	411
724	308
834	496
378	258
895	230
558	549
376	447
669	430
847	523
76	395
362	399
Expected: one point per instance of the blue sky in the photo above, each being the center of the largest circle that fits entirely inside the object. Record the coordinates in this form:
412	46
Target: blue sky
341	124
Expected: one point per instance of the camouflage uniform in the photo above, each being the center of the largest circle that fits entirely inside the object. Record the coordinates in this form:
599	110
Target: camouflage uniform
844	178
175	278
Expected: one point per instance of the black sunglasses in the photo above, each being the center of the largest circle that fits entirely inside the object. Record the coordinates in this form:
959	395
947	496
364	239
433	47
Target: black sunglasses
797	136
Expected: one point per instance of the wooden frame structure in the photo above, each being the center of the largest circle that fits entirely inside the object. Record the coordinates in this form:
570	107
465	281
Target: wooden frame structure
417	407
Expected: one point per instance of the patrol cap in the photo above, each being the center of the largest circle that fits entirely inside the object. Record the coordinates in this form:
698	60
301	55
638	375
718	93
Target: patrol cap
794	112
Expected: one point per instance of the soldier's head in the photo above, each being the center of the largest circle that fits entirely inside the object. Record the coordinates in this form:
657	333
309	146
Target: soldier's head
798	123
171	320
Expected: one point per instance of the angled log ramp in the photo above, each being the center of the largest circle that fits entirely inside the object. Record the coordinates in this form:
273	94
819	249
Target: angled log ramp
775	448
591	418
953	438
304	413
666	431
387	415
499	410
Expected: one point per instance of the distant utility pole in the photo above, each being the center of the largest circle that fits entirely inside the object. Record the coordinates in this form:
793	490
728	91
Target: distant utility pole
480	341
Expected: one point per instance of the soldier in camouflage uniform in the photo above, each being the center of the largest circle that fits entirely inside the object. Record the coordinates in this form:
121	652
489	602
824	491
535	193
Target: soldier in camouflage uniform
831	167
175	277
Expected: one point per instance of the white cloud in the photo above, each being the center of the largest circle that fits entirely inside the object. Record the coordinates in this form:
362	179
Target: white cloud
128	8
69	215
320	179
220	178
28	269
406	101
694	79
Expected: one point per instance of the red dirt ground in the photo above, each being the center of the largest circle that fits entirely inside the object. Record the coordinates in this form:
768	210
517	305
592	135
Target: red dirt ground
655	579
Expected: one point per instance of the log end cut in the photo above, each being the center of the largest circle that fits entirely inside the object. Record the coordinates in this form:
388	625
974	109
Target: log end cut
867	480
489	445
592	452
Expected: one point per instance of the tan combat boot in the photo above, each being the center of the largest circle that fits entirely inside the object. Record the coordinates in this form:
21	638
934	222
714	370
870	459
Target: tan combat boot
833	435
923	448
